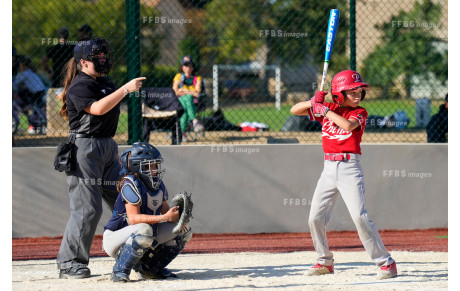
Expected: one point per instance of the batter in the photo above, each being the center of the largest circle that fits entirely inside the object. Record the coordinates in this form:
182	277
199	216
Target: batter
343	123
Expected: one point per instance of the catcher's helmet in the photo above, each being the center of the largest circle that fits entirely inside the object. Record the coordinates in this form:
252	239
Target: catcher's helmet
146	160
89	49
347	80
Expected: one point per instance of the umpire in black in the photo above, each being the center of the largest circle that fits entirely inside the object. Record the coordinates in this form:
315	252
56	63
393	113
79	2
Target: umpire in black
91	105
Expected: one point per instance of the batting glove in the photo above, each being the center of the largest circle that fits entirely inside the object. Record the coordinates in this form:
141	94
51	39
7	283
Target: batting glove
320	110
319	97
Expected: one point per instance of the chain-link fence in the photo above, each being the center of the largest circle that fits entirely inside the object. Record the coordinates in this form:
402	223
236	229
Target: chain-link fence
255	58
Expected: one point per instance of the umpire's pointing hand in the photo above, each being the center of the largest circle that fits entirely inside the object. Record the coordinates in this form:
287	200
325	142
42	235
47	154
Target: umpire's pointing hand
135	84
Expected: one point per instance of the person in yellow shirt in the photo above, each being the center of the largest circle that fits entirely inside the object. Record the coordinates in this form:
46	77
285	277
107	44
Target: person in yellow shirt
188	86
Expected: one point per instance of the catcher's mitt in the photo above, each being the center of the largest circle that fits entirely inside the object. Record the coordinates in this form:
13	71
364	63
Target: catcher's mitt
184	201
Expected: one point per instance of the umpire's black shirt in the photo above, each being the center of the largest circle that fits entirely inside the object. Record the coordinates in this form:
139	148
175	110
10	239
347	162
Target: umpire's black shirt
83	92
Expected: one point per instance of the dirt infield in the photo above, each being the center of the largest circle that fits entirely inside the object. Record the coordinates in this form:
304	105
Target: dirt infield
252	262
395	240
250	271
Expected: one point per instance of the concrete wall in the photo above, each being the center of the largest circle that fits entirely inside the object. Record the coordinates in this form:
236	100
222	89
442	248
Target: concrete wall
253	188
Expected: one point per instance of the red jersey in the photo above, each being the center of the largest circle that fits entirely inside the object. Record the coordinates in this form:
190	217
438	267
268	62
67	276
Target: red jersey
337	140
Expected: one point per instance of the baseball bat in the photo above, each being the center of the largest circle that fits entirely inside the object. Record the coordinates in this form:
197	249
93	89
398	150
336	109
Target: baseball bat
331	32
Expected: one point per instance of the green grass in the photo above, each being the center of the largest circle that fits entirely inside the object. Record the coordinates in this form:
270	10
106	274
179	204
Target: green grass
388	107
122	123
264	113
267	113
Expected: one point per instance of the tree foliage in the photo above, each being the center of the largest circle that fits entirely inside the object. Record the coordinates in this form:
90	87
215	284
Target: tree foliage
290	29
35	25
232	33
408	48
304	16
189	47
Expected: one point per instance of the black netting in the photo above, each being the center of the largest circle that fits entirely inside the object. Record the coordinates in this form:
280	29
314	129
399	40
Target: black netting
255	59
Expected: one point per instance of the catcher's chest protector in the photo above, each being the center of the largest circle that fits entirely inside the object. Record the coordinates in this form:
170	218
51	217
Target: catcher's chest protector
151	203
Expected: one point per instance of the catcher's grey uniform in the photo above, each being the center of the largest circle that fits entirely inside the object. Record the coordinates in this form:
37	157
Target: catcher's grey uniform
117	231
113	240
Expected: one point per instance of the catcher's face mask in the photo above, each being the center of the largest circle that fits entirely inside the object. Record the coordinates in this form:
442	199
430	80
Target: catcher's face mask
151	169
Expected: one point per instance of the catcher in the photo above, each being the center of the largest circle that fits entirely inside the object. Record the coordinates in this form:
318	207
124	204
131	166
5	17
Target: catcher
144	233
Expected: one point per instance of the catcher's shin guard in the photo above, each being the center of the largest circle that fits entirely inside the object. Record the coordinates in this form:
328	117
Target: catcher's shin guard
153	264
128	256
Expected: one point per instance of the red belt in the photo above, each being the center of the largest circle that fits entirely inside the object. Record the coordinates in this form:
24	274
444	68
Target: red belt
336	157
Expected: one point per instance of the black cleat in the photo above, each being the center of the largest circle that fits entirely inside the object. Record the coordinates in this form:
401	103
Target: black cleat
119	277
166	273
160	275
75	273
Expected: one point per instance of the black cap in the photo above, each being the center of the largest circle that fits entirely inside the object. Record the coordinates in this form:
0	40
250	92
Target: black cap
187	60
25	60
89	47
63	32
85	28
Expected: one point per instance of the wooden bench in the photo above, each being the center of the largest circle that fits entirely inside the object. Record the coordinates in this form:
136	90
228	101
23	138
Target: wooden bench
148	112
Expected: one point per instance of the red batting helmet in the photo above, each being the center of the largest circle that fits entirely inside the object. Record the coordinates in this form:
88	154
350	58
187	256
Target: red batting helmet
347	80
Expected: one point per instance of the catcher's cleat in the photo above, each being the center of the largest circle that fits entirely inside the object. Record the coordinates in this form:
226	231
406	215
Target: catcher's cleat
76	272
167	273
119	277
387	272
153	263
160	275
319	269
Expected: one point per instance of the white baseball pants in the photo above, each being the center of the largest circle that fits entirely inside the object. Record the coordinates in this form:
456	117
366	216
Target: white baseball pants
345	178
